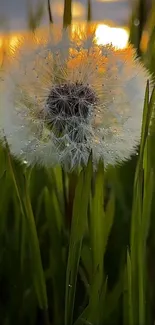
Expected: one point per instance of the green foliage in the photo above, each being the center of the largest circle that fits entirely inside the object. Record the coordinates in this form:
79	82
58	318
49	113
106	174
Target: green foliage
78	248
63	256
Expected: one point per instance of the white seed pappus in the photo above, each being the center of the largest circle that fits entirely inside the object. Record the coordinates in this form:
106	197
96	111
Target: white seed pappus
64	97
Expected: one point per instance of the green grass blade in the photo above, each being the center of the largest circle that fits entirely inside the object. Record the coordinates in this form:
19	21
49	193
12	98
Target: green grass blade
38	273
78	227
142	196
21	187
56	270
129	291
98	243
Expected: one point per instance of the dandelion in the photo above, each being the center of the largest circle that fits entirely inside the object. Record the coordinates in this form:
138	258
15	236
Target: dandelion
62	99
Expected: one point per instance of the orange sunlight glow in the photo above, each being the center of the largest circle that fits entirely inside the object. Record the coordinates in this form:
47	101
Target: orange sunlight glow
78	9
6	44
117	36
14	41
7	41
103	33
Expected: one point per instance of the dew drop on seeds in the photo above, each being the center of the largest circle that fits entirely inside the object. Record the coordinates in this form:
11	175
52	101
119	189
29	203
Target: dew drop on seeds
70	286
25	162
136	22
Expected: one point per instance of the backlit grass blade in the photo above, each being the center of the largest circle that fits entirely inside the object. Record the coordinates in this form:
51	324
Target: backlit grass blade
142	197
38	273
97	217
112	298
148	190
100	226
57	265
130	309
78	227
21	187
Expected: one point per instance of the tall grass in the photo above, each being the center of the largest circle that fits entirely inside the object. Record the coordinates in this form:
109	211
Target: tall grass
58	270
78	248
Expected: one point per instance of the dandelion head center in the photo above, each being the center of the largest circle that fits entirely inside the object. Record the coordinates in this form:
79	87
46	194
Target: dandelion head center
71	100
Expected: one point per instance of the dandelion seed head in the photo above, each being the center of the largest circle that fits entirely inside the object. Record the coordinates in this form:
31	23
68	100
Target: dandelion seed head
71	100
64	96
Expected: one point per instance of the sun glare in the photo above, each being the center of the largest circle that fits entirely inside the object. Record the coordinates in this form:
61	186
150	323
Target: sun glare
14	41
117	36
104	35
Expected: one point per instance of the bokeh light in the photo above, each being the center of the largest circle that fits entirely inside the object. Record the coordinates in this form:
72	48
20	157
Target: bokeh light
117	36
78	10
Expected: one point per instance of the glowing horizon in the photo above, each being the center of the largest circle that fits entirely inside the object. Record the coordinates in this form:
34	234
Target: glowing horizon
104	34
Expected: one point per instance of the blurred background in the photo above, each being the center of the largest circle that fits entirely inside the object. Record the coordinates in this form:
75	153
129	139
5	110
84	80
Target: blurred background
113	17
14	13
